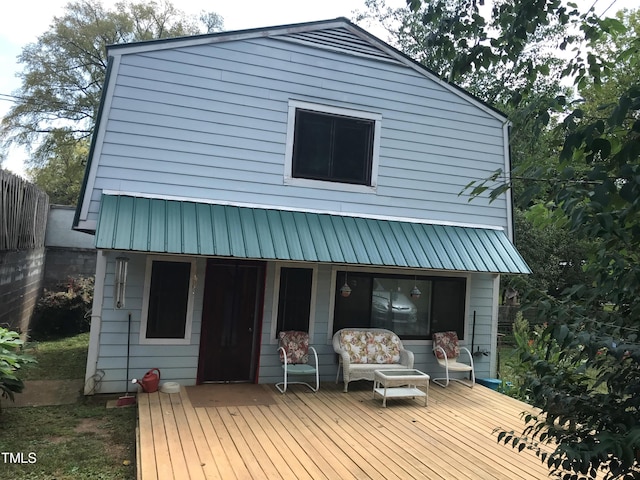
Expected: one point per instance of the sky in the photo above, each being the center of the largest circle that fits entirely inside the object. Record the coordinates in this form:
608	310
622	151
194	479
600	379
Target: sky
23	21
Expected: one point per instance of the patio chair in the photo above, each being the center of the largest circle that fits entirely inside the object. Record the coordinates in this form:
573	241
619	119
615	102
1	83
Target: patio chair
447	350
294	355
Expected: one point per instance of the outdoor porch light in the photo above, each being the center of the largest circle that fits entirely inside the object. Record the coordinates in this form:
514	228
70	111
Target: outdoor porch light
345	290
120	281
415	291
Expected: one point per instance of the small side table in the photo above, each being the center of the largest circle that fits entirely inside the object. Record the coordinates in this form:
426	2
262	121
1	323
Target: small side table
400	383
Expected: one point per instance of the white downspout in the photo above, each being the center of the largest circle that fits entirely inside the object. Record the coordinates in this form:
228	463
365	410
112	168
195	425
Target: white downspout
507	171
96	324
495	308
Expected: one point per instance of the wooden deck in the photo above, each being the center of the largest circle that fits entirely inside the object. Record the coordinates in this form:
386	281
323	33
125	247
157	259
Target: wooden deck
332	435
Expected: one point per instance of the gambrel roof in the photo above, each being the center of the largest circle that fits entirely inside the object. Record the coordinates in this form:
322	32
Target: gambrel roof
337	36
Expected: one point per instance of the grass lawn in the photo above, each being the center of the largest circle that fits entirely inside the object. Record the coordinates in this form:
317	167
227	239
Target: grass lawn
506	355
61	359
79	441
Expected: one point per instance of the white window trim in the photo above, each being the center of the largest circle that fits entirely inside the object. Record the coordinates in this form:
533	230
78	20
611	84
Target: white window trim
276	298
289	179
145	303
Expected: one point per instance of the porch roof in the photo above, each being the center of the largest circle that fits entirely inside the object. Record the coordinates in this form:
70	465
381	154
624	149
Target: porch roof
194	228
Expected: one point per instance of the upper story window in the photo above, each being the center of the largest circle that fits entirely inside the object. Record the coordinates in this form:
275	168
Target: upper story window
330	147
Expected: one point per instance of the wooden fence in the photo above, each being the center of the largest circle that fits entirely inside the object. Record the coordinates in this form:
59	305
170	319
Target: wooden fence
23	213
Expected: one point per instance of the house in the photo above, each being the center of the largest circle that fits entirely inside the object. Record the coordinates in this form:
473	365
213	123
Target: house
238	180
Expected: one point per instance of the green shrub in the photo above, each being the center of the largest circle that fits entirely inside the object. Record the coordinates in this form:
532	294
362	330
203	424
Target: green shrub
11	359
64	312
529	342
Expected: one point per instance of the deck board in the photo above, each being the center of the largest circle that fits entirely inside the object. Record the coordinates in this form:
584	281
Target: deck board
200	438
299	456
146	450
186	436
331	434
174	445
164	468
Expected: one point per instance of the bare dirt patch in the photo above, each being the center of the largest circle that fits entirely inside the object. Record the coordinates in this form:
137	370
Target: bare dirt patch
91	425
115	450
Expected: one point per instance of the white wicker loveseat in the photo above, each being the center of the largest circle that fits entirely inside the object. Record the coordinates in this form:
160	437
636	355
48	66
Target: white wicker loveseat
362	351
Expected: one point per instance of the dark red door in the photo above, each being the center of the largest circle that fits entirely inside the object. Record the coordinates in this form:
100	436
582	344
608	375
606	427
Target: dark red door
231	320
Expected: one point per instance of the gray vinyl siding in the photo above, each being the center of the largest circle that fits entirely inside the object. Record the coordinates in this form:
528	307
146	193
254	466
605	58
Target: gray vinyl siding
179	363
210	122
480	300
176	362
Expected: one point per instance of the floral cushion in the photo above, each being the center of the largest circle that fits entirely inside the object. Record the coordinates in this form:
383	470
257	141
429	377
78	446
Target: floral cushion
383	348
355	344
449	343
370	347
296	345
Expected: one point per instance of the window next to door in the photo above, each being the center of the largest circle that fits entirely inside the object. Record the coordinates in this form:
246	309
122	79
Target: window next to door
380	300
330	147
295	298
167	302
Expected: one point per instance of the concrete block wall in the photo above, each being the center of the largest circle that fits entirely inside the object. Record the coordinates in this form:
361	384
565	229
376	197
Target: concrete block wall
62	263
21	280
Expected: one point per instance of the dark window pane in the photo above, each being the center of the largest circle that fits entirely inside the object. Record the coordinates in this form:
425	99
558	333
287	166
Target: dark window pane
332	147
385	301
395	309
312	146
353	143
168	298
448	306
354	310
294	303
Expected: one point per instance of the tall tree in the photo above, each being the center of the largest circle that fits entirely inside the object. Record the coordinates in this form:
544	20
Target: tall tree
64	70
601	99
585	378
434	37
439	36
61	174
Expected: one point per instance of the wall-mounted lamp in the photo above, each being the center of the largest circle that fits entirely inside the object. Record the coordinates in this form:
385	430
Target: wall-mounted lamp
120	281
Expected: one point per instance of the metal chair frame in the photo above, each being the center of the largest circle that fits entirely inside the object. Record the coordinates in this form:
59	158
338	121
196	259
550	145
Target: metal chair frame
298	369
453	365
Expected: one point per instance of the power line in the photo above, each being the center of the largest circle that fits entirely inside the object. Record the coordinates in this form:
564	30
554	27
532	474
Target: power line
9	98
58	105
606	9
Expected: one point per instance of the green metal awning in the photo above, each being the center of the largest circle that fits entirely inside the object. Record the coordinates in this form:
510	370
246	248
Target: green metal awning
193	228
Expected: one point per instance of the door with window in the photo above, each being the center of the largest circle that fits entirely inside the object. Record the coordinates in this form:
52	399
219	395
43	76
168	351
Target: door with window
231	320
